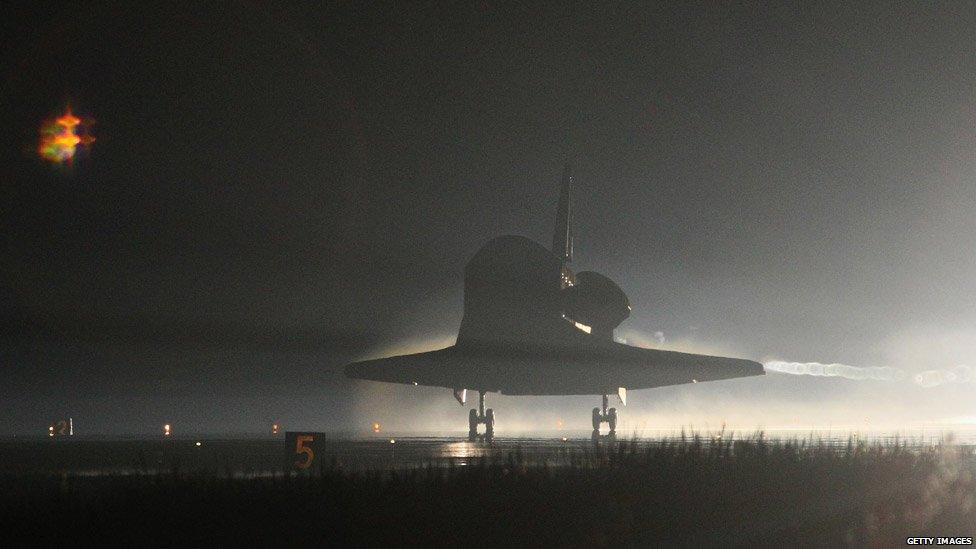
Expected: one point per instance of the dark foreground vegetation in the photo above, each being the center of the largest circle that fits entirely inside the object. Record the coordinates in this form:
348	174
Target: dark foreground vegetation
692	492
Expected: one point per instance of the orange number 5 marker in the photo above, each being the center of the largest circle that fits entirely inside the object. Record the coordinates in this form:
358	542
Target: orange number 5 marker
300	448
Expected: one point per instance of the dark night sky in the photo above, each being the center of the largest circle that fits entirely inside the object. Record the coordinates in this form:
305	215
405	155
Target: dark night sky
275	190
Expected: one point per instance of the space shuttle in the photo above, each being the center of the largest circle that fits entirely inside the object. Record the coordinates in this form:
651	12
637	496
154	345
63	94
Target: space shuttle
532	326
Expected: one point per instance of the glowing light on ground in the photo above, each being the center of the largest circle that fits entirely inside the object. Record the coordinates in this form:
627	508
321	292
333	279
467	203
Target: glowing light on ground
60	138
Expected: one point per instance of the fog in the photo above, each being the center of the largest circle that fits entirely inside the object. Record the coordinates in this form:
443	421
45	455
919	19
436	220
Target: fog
277	190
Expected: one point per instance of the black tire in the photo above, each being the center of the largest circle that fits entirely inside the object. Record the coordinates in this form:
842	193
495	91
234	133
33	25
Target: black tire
596	419
596	436
489	425
472	425
612	419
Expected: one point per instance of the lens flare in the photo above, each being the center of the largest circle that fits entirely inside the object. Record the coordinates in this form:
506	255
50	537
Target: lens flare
60	138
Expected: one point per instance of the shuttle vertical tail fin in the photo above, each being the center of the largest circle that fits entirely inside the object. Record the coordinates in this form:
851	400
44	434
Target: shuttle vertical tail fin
562	239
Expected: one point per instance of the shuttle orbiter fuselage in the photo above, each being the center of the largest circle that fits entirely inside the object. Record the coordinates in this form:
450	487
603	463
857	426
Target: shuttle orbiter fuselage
533	327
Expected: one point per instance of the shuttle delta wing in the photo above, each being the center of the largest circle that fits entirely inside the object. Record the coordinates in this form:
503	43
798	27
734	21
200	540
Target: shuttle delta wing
638	368
526	369
531	326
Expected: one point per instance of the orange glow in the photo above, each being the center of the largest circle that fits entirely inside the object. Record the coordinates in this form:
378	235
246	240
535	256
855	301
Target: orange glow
376	427
60	138
166	429
274	429
68	120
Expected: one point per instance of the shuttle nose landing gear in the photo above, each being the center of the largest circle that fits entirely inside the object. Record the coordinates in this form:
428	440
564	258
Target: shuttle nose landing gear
481	416
605	416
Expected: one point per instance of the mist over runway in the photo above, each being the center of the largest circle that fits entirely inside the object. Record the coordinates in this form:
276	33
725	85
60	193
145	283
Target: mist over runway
286	189
280	272
258	457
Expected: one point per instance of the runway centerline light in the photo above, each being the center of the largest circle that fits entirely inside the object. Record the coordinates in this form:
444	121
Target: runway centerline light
392	441
198	443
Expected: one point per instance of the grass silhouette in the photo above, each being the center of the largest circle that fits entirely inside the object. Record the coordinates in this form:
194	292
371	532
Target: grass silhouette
691	490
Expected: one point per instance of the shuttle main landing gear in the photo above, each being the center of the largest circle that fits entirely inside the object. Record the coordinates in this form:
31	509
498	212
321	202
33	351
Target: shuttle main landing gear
481	416
605	416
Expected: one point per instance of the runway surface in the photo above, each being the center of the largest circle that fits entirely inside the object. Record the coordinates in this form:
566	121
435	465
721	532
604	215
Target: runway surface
260	456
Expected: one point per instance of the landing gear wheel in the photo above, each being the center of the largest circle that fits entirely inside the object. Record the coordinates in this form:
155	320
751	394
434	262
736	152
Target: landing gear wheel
489	425
595	436
477	416
604	415
472	425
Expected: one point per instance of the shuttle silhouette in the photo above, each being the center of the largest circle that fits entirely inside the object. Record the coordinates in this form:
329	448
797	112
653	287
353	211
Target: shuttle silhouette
533	327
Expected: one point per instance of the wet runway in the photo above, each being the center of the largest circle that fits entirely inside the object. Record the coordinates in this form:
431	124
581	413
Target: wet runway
260	456
576	447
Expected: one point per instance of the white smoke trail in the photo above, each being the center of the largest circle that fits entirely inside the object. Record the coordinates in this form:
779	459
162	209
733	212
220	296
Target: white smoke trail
934	378
961	374
879	373
926	379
